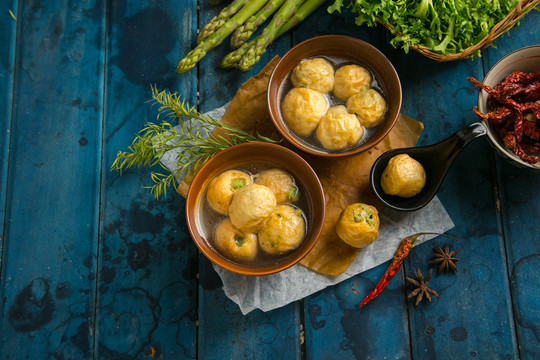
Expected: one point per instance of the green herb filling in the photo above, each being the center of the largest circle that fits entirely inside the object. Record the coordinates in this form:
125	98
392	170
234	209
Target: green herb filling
239	240
292	194
362	213
238	183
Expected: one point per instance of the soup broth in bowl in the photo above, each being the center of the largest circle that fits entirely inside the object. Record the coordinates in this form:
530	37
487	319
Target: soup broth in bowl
229	243
345	90
318	118
256	210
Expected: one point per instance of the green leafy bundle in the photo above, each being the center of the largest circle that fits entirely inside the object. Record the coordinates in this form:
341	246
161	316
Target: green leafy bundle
444	27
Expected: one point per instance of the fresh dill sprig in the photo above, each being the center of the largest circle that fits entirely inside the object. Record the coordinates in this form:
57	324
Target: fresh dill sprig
191	140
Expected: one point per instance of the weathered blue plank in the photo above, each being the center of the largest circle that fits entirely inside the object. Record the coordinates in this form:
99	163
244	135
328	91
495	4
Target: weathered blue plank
520	201
472	317
52	198
224	333
52	100
8	28
335	327
520	207
147	286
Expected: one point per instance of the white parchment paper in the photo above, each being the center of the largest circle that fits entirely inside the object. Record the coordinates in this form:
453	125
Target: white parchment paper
276	290
273	291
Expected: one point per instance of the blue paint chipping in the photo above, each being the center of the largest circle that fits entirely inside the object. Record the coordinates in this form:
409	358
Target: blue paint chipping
63	291
458	334
146	41
33	307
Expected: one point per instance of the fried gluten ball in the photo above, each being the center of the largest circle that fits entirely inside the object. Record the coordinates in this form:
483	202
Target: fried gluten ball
403	176
358	225
222	188
284	232
338	129
280	182
316	74
235	243
251	207
369	106
302	110
350	79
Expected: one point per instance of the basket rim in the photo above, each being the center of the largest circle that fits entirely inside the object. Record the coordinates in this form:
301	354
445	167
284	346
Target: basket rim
521	9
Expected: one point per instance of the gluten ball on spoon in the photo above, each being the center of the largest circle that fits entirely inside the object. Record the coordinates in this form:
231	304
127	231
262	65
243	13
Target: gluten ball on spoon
403	176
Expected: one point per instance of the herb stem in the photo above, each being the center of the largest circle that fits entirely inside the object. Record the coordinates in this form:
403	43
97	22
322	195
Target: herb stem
191	140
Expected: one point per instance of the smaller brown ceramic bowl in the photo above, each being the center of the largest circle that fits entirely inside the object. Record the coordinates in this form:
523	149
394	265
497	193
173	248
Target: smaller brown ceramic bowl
243	156
339	50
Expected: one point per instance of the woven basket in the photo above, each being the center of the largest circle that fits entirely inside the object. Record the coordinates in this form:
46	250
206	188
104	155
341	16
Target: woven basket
522	8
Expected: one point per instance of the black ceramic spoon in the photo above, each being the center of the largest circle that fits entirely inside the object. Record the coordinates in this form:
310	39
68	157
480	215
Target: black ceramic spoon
436	160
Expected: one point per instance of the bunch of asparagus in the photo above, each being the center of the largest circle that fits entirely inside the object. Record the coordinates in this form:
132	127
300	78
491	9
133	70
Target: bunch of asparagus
241	18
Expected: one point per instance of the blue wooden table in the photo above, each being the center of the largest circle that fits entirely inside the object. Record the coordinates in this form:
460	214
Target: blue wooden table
92	267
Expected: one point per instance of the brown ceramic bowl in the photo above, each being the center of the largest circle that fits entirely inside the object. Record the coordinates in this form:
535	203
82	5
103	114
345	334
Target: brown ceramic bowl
339	50
245	156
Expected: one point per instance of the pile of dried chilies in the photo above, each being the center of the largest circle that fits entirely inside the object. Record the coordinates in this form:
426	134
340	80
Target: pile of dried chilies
514	113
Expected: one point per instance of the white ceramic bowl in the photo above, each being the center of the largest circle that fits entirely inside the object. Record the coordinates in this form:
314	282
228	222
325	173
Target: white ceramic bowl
526	59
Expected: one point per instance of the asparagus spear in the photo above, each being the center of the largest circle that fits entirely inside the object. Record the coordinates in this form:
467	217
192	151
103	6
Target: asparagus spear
268	35
189	61
220	19
244	32
306	9
233	58
303	12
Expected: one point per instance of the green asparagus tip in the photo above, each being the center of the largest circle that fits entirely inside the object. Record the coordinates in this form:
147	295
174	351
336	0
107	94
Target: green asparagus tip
249	59
227	63
184	66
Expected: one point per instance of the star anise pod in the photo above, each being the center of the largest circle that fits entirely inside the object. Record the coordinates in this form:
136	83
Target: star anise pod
421	287
444	258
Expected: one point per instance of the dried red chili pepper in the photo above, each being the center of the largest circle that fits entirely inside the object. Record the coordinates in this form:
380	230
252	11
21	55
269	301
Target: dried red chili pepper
531	130
515	112
510	141
522	86
401	253
531	148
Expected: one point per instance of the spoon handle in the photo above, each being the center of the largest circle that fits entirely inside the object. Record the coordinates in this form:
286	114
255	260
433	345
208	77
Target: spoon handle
453	145
471	132
436	160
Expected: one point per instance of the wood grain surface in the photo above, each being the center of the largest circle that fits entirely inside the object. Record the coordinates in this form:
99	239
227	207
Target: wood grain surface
93	267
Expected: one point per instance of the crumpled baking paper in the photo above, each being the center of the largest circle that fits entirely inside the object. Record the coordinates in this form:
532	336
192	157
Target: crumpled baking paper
273	291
